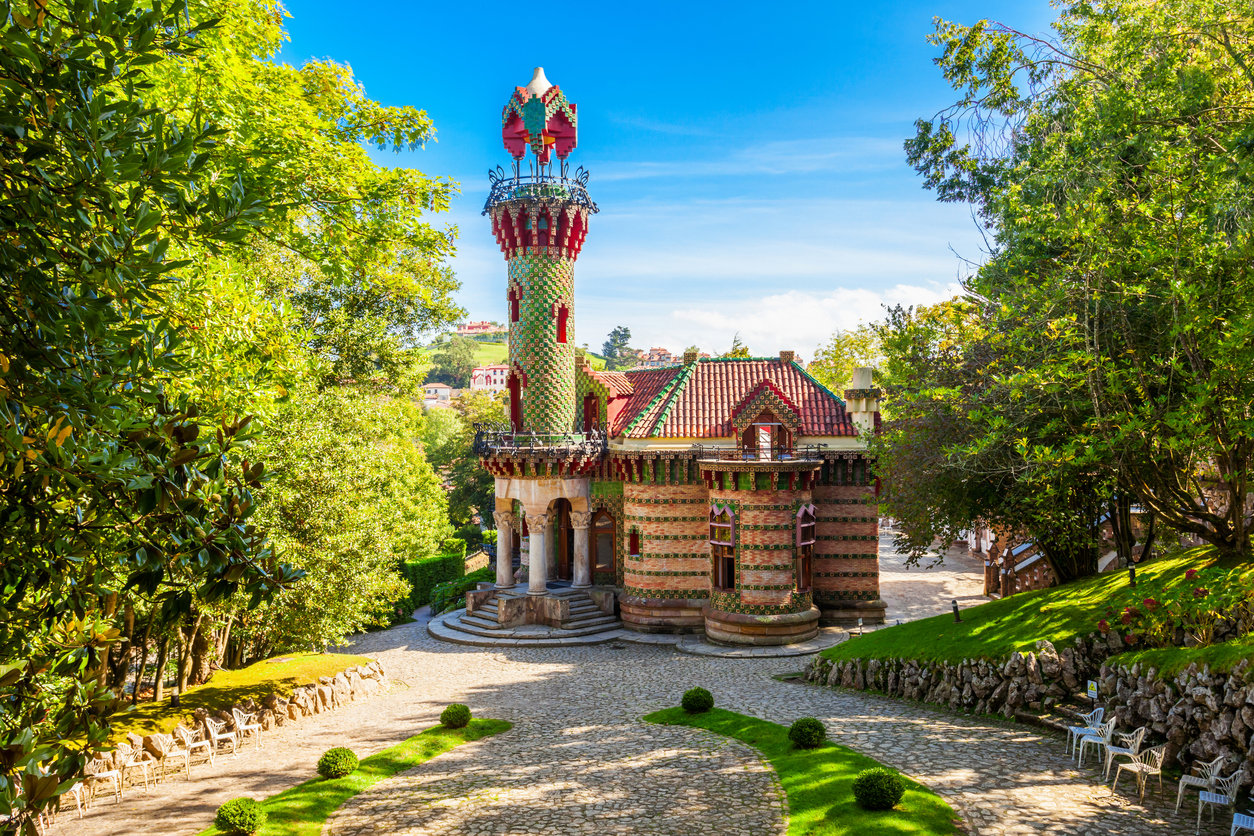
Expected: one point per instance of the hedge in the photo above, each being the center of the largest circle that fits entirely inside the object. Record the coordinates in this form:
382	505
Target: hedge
452	594
423	575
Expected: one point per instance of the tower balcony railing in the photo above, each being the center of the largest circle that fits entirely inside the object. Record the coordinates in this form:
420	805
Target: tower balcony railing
774	453
541	183
494	440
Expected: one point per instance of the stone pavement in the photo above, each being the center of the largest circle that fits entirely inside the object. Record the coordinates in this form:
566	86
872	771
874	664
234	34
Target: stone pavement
580	761
913	592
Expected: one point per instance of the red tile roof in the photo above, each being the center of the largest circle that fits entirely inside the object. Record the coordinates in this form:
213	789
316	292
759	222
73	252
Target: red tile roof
617	382
698	400
645	385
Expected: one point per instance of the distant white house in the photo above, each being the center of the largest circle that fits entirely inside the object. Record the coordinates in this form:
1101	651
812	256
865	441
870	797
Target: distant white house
437	391
489	378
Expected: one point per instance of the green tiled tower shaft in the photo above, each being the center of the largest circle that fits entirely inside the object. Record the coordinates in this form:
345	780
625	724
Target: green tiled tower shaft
544	285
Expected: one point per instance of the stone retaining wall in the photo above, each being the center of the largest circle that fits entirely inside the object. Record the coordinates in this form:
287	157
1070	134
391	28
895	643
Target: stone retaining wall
1200	714
328	693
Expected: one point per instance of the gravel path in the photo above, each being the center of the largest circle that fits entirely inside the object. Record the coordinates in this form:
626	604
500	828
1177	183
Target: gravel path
580	761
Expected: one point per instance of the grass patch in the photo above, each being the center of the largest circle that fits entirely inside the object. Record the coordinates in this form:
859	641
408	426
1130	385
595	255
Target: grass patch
1171	660
817	781
303	809
280	675
999	628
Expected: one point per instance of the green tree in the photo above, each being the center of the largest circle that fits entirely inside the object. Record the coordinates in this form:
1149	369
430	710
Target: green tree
834	363
1111	166
453	362
738	349
474	489
350	495
615	349
110	484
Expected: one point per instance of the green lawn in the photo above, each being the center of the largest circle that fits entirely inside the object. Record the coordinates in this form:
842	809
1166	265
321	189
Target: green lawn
303	810
817	781
495	354
279	675
999	628
1171	660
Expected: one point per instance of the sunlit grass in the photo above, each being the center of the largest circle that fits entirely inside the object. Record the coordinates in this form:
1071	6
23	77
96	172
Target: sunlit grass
1171	660
280	675
303	810
817	781
999	628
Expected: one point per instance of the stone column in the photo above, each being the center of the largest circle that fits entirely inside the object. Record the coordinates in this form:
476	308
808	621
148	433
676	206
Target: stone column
538	571
579	521
505	522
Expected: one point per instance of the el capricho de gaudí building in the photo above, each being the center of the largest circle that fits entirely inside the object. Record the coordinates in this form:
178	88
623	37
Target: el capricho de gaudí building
732	497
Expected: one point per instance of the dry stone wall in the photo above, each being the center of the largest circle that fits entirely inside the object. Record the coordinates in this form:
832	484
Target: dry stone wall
1201	715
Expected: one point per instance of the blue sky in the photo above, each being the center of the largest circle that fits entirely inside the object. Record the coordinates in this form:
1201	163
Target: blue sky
746	157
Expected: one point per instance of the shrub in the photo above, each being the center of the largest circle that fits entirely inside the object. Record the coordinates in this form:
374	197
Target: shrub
878	788
454	545
451	595
241	816
424	574
807	733
697	700
471	534
456	716
337	762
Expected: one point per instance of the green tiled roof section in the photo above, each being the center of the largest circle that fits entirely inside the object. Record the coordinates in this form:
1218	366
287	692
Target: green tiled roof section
657	399
676	388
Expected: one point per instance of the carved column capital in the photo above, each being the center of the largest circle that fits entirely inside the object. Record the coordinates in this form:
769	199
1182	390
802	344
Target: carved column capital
505	519
580	519
540	521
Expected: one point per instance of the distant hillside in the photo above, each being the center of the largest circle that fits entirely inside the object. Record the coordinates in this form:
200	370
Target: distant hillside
491	354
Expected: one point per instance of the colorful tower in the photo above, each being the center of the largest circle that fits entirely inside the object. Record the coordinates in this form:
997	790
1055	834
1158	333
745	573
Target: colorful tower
540	220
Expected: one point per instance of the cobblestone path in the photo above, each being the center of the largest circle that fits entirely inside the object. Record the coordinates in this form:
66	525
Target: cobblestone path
579	761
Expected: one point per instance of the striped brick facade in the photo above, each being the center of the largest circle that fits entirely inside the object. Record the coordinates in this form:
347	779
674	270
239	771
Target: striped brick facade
666	585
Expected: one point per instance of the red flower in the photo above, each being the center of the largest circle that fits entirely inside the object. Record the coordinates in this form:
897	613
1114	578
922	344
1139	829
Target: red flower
1130	638
1126	618
1190	575
1150	604
1201	592
1104	626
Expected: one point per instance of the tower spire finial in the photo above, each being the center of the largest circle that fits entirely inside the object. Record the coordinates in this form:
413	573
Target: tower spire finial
539	85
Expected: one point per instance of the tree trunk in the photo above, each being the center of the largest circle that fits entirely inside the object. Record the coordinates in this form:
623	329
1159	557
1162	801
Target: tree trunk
122	652
186	645
163	655
143	657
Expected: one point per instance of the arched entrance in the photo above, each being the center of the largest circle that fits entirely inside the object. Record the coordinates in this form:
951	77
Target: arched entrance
565	563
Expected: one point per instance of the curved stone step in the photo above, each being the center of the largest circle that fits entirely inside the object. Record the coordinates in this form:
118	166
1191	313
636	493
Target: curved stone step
439	628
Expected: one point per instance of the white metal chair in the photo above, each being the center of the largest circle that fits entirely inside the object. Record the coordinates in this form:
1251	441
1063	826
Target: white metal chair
101	769
216	730
1143	765
1091	721
1224	795
1098	738
130	758
1129	745
193	742
168	749
1205	778
1241	821
246	724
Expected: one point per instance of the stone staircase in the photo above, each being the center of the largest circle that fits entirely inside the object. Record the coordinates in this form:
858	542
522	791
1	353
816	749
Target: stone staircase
584	624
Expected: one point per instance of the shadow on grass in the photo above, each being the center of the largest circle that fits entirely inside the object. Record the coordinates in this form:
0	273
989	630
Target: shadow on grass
818	781
303	810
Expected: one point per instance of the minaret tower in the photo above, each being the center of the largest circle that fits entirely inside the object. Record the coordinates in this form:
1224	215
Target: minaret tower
540	219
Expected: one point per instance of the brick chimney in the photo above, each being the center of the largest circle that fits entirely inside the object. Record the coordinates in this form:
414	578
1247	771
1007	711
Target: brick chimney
690	356
788	356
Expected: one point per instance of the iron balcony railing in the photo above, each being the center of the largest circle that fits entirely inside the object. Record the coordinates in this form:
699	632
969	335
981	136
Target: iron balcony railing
542	183
776	453
493	439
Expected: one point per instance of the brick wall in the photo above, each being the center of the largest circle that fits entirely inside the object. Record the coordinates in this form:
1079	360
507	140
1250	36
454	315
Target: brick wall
846	554
674	560
766	545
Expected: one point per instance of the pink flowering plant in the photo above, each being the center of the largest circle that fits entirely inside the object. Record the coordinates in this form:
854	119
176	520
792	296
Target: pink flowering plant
1185	610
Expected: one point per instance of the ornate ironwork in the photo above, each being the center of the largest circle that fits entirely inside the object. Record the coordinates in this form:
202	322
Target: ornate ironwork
778	453
495	439
540	184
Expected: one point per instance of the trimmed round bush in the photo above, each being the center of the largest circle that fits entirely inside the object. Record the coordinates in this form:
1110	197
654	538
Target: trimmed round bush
878	788
456	716
337	762
807	733
241	816
697	700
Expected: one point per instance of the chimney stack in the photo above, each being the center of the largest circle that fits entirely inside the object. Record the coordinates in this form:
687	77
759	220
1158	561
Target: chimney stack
690	356
862	401
788	356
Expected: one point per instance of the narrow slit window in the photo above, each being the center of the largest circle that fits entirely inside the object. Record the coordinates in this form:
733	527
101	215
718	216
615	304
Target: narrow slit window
723	547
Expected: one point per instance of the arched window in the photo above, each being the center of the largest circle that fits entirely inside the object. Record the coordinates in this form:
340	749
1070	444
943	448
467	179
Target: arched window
723	546
603	541
563	314
806	526
515	402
